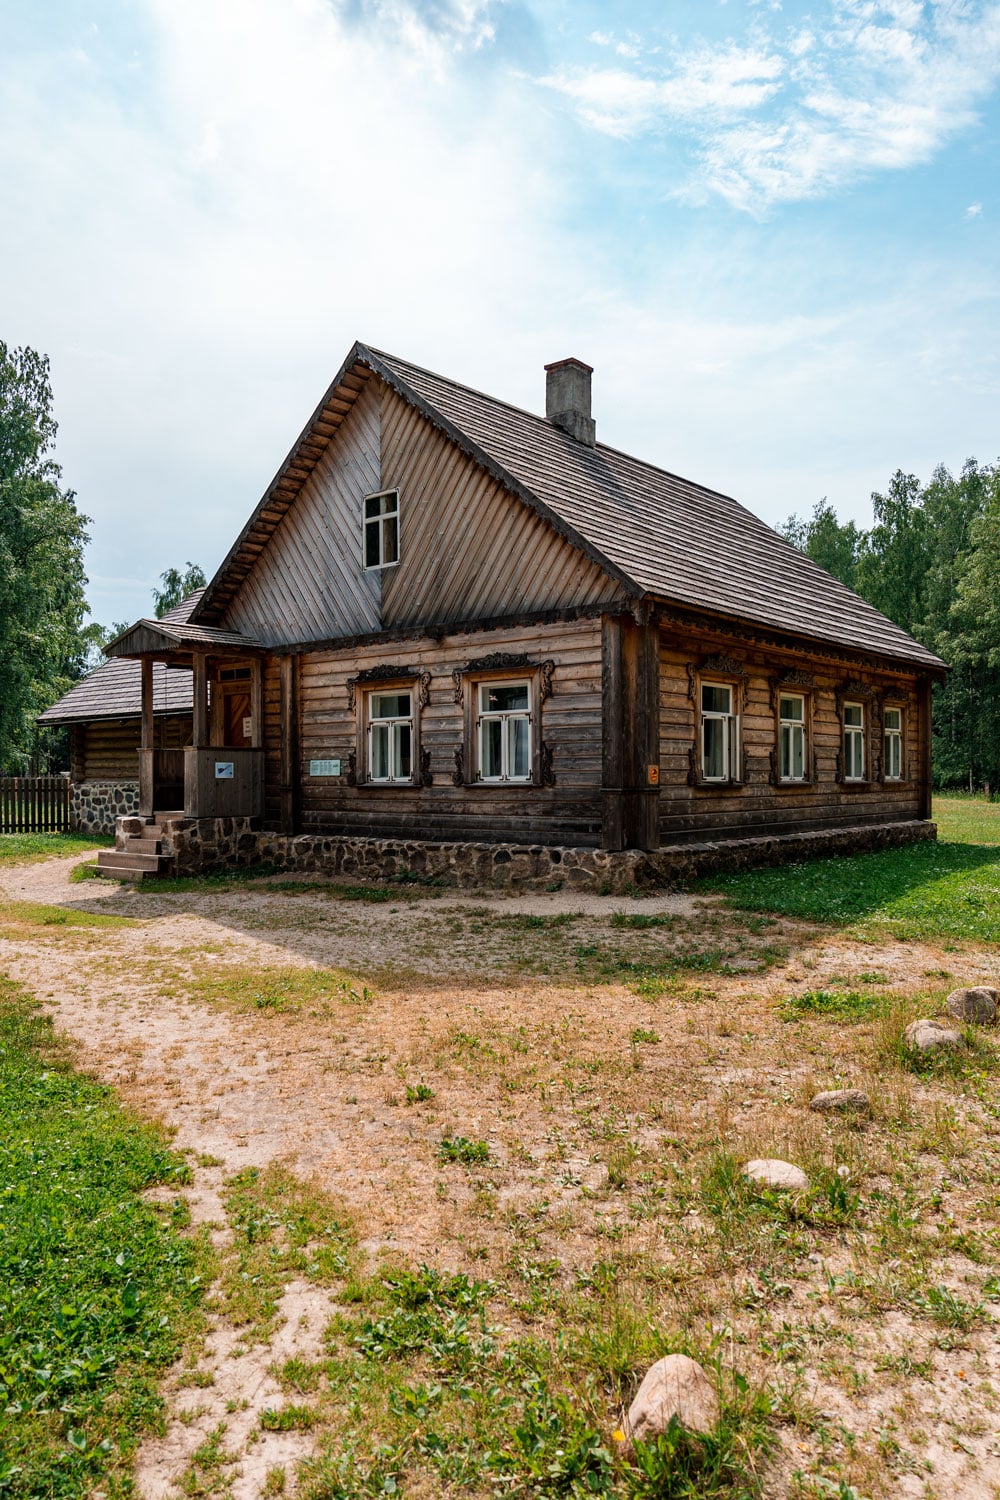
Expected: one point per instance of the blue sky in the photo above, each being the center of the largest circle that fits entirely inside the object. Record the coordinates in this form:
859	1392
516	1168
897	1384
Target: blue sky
771	227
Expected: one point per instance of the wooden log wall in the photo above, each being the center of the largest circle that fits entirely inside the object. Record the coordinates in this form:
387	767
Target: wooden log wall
758	807
108	749
566	812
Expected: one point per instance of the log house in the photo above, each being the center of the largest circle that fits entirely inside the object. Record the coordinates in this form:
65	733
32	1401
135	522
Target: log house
452	620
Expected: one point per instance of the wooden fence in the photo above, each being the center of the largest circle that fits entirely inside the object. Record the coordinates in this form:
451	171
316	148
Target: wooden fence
34	804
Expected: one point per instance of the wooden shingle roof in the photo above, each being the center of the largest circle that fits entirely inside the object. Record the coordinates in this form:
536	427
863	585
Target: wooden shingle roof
114	690
657	534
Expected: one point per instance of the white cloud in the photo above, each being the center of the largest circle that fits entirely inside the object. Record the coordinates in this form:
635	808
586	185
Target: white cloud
873	85
974	211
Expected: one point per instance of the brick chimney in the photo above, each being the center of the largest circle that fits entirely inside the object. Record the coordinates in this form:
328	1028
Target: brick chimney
567	399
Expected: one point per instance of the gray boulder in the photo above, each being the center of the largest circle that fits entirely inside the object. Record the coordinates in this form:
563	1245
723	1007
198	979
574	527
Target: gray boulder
932	1036
977	1005
841	1101
773	1173
674	1387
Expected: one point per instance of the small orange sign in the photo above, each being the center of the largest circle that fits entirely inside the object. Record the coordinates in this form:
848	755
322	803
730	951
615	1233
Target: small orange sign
653	775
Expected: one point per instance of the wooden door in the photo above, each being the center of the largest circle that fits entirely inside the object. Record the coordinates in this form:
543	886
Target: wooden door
236	718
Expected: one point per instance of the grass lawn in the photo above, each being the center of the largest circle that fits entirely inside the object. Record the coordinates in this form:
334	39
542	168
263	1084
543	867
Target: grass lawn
950	889
19	847
97	1288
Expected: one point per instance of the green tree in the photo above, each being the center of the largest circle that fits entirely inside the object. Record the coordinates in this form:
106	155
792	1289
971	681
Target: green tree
894	558
833	544
177	586
43	638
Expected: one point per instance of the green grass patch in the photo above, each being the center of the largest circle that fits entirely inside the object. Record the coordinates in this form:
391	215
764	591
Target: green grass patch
97	1290
967	820
276	989
20	848
932	890
460	1148
841	1005
20	914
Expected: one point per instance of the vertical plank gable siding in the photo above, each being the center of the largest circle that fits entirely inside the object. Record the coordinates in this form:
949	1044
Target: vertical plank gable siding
468	548
308	583
759	808
566	813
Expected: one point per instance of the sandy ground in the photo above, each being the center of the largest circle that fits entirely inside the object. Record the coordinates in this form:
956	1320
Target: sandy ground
321	1089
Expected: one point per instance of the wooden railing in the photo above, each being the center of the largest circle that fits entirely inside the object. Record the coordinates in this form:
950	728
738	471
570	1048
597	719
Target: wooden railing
34	804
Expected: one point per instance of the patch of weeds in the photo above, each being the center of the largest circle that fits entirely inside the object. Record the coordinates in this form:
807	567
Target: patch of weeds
948	1309
289	1418
347	1476
281	1227
438	1315
276	989
640	921
461	1148
843	1005
536	922
418	1093
643	1034
97	1291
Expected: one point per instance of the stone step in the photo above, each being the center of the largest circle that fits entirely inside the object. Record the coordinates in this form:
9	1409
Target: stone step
124	859
146	845
120	872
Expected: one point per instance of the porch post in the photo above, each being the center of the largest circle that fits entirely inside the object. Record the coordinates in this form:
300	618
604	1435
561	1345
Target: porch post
199	727
146	751
256	703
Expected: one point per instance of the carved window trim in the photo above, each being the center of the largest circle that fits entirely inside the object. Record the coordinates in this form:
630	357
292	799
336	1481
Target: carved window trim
893	703
503	666
866	746
793	685
383	679
718	671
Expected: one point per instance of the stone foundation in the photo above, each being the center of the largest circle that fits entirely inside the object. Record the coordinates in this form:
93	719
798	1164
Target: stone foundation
96	805
210	845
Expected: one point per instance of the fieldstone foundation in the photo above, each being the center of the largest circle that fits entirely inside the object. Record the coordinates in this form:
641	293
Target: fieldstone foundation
95	806
210	845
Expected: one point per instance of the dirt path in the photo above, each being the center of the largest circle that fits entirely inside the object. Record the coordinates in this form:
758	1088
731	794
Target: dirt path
322	1087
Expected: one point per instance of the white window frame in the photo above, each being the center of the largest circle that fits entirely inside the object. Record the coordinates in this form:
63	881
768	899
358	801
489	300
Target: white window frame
393	726
892	734
852	732
730	733
793	726
378	523
483	717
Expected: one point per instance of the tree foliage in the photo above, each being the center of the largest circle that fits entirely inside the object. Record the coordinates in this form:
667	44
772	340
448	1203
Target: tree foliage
177	586
931	562
44	641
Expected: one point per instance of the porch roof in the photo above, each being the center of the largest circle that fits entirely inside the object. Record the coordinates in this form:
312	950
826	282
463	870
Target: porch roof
160	638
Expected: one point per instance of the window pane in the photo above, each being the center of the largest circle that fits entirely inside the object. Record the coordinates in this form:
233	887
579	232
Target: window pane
371	544
518	748
390	540
853	714
892	718
716	700
380	752
389	504
373	505
503	697
854	747
714	744
402	753
797	769
491	732
389	706
793	708
893	756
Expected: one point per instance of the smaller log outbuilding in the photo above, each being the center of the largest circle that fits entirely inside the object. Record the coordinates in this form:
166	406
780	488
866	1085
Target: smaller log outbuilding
455	626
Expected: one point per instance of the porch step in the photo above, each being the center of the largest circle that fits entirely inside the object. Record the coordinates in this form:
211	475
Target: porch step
124	864
146	845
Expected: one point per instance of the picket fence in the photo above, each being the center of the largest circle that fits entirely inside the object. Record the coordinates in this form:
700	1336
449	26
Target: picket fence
34	804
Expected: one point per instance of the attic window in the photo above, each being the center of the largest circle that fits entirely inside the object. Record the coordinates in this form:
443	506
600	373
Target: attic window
382	529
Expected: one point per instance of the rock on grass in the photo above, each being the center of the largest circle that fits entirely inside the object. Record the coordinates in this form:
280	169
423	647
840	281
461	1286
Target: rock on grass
932	1036
977	1005
841	1101
773	1173
676	1386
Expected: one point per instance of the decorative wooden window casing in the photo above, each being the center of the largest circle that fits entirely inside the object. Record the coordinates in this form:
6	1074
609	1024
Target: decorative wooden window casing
390	737
855	746
502	697
718	692
381	530
388	701
893	763
793	746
